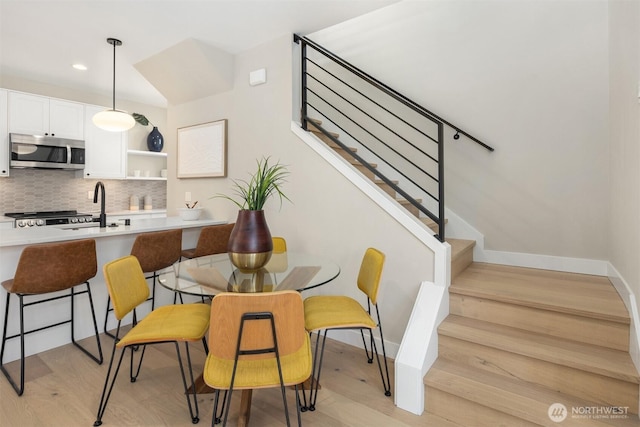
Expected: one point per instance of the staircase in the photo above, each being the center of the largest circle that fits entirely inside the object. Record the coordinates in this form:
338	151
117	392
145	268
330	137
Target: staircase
460	244
518	340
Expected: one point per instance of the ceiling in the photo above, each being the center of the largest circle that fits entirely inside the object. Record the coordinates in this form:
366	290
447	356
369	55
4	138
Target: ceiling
41	39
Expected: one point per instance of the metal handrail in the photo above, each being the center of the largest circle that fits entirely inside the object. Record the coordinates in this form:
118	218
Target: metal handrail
406	153
386	89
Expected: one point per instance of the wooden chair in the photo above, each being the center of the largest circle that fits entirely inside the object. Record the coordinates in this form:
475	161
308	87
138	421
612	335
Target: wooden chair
259	342
155	251
186	323
44	269
212	240
325	312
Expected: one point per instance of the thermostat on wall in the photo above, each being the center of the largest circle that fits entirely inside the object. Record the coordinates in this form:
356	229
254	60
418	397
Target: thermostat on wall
258	77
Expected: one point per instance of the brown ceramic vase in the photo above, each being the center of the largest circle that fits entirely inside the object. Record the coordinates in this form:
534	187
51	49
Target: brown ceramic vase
250	243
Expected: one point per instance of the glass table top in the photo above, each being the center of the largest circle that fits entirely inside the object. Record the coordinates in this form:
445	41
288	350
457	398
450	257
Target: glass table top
212	274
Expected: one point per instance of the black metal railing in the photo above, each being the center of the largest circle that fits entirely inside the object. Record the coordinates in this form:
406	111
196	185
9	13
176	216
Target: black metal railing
406	138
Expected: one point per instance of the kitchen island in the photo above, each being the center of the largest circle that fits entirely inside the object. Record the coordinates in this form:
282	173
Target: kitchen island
111	242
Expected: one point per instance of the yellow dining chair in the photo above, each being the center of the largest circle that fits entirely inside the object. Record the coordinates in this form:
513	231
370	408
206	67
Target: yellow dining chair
259	342
278	262
279	245
155	251
324	313
170	323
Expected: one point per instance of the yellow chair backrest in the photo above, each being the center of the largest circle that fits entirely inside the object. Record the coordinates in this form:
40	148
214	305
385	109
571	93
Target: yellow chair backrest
370	273
226	312
279	245
126	284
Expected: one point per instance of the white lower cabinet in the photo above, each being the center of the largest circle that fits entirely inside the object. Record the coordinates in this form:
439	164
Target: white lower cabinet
105	152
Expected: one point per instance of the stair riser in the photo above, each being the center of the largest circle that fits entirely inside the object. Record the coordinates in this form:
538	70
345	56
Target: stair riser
366	172
342	152
592	387
432	225
460	263
387	189
412	209
562	325
467	413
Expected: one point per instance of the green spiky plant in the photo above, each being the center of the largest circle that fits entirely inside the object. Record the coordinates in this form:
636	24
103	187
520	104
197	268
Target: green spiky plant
266	182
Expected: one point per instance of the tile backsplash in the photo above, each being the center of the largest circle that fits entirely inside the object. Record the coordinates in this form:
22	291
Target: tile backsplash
28	190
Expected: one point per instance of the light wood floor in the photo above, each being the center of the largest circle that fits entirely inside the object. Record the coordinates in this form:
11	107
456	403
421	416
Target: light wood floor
63	389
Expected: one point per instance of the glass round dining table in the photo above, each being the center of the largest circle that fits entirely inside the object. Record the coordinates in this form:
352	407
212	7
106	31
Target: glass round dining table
209	275
212	274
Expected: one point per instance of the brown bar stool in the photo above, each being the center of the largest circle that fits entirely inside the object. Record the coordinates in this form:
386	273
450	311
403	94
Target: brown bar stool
212	240
155	251
44	269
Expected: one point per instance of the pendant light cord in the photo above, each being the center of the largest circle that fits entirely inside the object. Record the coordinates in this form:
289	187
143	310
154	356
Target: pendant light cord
114	43
114	74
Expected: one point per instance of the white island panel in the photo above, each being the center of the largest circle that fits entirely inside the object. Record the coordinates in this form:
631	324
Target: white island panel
111	243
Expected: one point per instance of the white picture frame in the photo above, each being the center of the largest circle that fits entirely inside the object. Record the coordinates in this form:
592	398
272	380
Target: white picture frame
202	150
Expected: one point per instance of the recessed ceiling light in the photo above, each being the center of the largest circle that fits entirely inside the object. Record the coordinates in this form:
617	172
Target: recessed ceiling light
80	67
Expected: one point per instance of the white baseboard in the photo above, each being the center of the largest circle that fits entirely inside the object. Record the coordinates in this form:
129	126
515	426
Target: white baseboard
629	299
544	262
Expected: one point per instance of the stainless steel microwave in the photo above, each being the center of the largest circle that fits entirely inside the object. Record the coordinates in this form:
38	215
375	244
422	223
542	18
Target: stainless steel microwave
33	151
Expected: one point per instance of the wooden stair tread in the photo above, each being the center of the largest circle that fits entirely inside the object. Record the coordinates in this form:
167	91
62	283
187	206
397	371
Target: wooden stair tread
358	164
518	398
572	293
434	420
381	182
312	127
587	357
404	202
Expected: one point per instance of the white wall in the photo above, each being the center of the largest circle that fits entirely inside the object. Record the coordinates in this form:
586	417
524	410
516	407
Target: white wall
624	46
529	78
327	216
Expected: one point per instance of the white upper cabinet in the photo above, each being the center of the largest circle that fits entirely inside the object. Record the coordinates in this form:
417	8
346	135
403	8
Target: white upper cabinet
39	115
105	152
4	134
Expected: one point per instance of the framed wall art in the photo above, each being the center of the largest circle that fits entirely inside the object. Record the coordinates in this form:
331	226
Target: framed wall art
202	150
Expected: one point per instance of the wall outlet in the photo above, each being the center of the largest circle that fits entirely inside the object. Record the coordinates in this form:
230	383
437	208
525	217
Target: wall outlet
89	195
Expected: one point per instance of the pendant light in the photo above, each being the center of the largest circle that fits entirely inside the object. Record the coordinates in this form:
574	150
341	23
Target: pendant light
114	120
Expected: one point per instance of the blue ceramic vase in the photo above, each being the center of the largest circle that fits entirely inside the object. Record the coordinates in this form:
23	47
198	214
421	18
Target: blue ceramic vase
155	140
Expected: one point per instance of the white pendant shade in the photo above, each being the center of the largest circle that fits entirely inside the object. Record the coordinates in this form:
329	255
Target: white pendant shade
114	120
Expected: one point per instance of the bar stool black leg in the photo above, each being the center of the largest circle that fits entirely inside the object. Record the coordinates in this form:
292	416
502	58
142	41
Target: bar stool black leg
18	389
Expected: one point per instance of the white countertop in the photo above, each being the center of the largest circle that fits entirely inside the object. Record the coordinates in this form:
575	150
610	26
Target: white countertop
119	213
20	237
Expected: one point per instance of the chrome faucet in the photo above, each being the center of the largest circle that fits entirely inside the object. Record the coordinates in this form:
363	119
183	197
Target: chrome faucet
103	215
